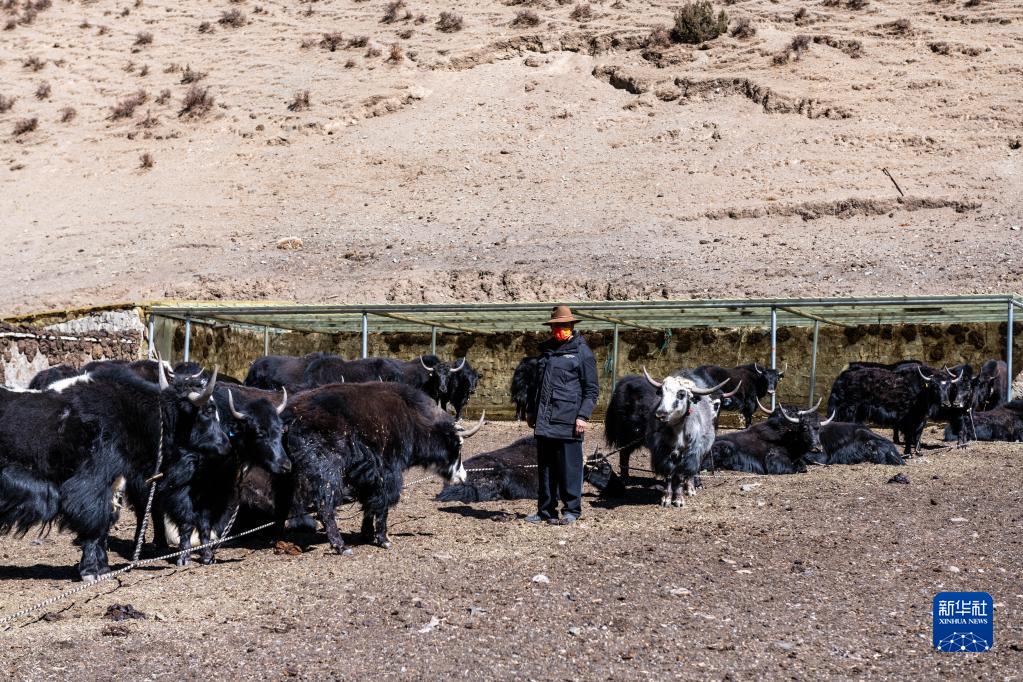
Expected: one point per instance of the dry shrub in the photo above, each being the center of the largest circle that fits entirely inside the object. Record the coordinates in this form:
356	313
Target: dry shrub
332	41
743	28
143	38
233	18
449	22
396	11
144	71
146	161
300	102
205	27
188	76
395	55
34	63
85	24
660	36
901	26
10	24
857	4
196	103
581	12
43	91
67	114
358	41
25	126
420	19
350	64
800	14
149	121
127	106
793	50
696	22
526	18
6	103
164	97
373	51
102	31
406	34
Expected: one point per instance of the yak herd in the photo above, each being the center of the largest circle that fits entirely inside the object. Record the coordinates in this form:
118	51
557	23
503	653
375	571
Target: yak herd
303	435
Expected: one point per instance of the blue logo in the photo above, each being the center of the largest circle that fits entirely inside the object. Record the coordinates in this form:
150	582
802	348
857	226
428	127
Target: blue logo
964	621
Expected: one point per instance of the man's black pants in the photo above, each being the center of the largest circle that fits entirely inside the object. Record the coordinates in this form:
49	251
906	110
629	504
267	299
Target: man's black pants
560	474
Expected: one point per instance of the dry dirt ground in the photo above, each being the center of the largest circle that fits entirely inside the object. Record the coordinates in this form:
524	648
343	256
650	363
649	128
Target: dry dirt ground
570	159
827	574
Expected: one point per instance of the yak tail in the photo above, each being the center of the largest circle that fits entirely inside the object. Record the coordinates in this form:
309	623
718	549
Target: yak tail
26	501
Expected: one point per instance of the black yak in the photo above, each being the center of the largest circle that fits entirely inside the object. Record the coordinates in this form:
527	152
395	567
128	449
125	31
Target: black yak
274	372
357	440
461	386
523	385
849	443
52	375
756	382
780	445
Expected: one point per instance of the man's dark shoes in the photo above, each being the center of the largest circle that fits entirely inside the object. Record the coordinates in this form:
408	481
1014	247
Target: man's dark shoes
565	520
535	518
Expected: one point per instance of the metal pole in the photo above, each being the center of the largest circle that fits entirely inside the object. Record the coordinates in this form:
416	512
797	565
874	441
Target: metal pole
266	340
614	358
433	340
774	347
188	336
365	335
813	361
152	334
1008	352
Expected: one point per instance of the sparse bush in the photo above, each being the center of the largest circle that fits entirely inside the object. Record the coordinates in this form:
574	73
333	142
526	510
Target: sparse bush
234	18
102	31
1016	143
902	26
143	38
449	22
25	126
395	55
149	121
420	19
373	51
127	106
350	64
358	41
67	114
332	41
857	4
40	5
396	11
10	24
300	101
660	36
793	50
164	96
800	14
6	103
205	27
146	161
695	23
34	63
43	91
526	18
144	71
85	24
405	34
581	12
196	103
743	28
189	76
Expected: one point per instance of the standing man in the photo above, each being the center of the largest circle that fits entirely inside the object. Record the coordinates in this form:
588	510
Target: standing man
559	411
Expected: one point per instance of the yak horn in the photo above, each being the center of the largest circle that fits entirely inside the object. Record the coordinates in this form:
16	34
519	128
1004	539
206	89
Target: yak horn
653	382
794	420
814	408
958	378
425	366
762	408
164	384
757	368
472	430
459	366
830	419
707	391
785	368
731	393
284	399
230	403
200	399
925	377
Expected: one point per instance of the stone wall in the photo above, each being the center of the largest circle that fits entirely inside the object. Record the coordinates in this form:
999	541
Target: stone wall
27	350
495	356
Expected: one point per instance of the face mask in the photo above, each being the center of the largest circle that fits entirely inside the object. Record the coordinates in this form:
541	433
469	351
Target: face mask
562	333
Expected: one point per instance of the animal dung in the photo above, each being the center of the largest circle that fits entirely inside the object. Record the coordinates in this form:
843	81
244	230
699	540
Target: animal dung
899	478
119	612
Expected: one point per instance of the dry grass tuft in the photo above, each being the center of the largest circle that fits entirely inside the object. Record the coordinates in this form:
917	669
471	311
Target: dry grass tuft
660	36
149	121
449	22
581	12
127	106
793	51
395	54
43	91
358	41
396	11
205	27
188	76
332	41
300	102
143	38
67	114
146	161
196	103
7	103
233	18
34	63
164	96
25	126
373	51
526	18
743	28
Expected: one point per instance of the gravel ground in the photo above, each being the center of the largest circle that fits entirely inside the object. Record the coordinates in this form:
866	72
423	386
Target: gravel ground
828	574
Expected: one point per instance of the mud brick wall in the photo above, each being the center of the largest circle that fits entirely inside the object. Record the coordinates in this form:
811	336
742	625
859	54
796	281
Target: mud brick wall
495	356
28	350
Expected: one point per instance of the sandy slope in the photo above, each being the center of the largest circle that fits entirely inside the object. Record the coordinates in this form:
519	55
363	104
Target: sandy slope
512	163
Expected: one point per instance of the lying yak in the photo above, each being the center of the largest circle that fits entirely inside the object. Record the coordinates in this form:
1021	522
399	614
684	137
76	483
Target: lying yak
780	445
358	440
1003	423
849	443
510	473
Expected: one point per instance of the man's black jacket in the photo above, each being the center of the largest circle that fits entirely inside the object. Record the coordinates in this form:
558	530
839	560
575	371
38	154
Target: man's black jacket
566	388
